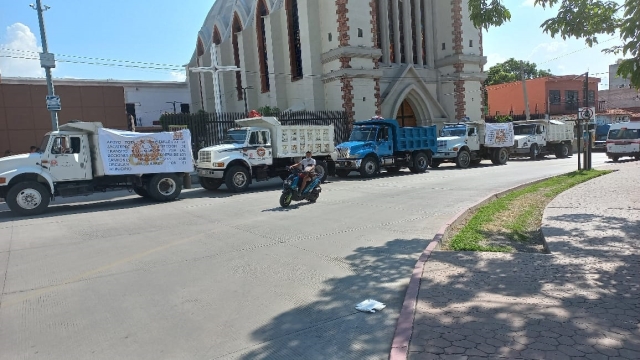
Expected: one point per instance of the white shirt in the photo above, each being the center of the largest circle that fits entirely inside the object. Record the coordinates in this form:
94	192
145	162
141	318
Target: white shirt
308	162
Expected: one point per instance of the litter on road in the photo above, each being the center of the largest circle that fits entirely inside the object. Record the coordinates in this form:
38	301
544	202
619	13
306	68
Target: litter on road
370	305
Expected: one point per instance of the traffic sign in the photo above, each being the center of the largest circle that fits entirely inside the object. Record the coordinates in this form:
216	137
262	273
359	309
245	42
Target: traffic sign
585	113
53	103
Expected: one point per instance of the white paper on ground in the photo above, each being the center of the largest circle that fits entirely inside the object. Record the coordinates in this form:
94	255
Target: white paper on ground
370	305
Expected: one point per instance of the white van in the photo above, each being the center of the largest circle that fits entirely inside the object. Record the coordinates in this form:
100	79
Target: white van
624	140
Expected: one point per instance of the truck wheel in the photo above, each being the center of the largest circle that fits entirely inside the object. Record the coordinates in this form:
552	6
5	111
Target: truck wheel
164	187
421	163
141	191
562	151
501	156
237	179
369	167
210	184
342	173
463	160
321	170
534	152
615	158
435	163
28	198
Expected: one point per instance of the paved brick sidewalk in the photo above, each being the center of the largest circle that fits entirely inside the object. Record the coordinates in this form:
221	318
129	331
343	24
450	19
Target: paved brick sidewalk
582	301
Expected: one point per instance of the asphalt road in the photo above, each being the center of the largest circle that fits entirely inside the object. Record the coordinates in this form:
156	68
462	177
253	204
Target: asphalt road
220	276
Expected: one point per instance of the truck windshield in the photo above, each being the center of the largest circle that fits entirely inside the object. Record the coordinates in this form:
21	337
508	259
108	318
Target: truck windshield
235	137
524	130
453	131
624	134
43	145
363	133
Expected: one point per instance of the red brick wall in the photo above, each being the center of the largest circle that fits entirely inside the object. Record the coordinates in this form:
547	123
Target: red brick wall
24	118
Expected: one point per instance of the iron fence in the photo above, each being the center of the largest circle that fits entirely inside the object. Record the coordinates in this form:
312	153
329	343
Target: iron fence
208	129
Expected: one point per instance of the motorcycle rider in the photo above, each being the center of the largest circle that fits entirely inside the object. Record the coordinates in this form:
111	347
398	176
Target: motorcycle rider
309	165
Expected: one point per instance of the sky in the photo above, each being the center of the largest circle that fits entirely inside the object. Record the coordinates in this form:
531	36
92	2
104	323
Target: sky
133	36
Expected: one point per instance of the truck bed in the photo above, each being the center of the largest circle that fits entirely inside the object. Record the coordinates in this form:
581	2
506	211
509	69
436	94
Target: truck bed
559	132
294	140
417	138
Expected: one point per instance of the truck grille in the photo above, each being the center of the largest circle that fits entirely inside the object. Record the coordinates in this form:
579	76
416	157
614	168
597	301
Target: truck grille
442	144
204	156
343	153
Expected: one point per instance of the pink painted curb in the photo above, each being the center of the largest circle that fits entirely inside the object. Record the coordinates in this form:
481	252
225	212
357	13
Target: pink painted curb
404	326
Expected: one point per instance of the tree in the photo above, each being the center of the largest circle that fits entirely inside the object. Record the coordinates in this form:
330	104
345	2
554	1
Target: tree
582	19
509	71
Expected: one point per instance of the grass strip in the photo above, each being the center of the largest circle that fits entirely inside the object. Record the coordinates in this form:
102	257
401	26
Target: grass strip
516	217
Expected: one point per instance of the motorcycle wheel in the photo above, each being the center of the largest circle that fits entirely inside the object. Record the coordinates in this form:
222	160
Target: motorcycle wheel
285	199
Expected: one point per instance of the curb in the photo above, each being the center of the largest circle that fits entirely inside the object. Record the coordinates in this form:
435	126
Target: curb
404	326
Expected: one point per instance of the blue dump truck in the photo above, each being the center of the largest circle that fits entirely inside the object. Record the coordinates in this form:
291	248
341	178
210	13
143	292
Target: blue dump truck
378	144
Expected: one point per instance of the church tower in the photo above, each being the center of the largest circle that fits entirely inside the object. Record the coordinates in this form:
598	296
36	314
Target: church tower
459	59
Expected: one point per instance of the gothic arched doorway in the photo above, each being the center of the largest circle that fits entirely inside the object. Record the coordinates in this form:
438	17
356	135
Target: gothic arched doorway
406	116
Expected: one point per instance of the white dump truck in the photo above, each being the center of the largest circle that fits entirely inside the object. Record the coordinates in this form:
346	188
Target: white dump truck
260	149
468	143
537	138
83	157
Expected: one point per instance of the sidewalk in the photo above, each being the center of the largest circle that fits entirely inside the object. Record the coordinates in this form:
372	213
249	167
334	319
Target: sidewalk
580	302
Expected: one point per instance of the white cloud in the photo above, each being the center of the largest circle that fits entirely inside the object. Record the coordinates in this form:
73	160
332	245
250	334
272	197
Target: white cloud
20	42
178	76
493	59
549	49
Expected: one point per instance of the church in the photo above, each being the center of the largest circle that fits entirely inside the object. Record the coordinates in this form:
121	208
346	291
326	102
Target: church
418	61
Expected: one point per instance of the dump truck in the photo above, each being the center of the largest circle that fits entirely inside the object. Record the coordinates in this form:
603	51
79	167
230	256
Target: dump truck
261	148
538	138
467	143
381	144
82	158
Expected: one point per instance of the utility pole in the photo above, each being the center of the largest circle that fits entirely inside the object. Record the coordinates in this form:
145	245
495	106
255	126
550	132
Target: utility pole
524	91
587	153
47	61
244	95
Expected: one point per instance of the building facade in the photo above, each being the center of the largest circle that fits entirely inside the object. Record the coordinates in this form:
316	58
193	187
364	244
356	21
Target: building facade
555	95
24	118
419	61
146	101
616	82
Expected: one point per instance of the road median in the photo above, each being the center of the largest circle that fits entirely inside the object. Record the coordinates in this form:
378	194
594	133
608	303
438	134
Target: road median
512	223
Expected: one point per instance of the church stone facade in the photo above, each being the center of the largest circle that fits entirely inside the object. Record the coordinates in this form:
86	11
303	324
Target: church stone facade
419	61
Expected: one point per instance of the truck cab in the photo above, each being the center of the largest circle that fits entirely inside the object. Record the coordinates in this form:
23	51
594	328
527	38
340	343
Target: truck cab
63	156
528	134
248	147
454	137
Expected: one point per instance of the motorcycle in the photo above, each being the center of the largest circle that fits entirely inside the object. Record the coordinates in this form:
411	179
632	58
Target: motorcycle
290	188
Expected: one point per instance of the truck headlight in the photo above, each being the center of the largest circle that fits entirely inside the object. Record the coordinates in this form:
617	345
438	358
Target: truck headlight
219	164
